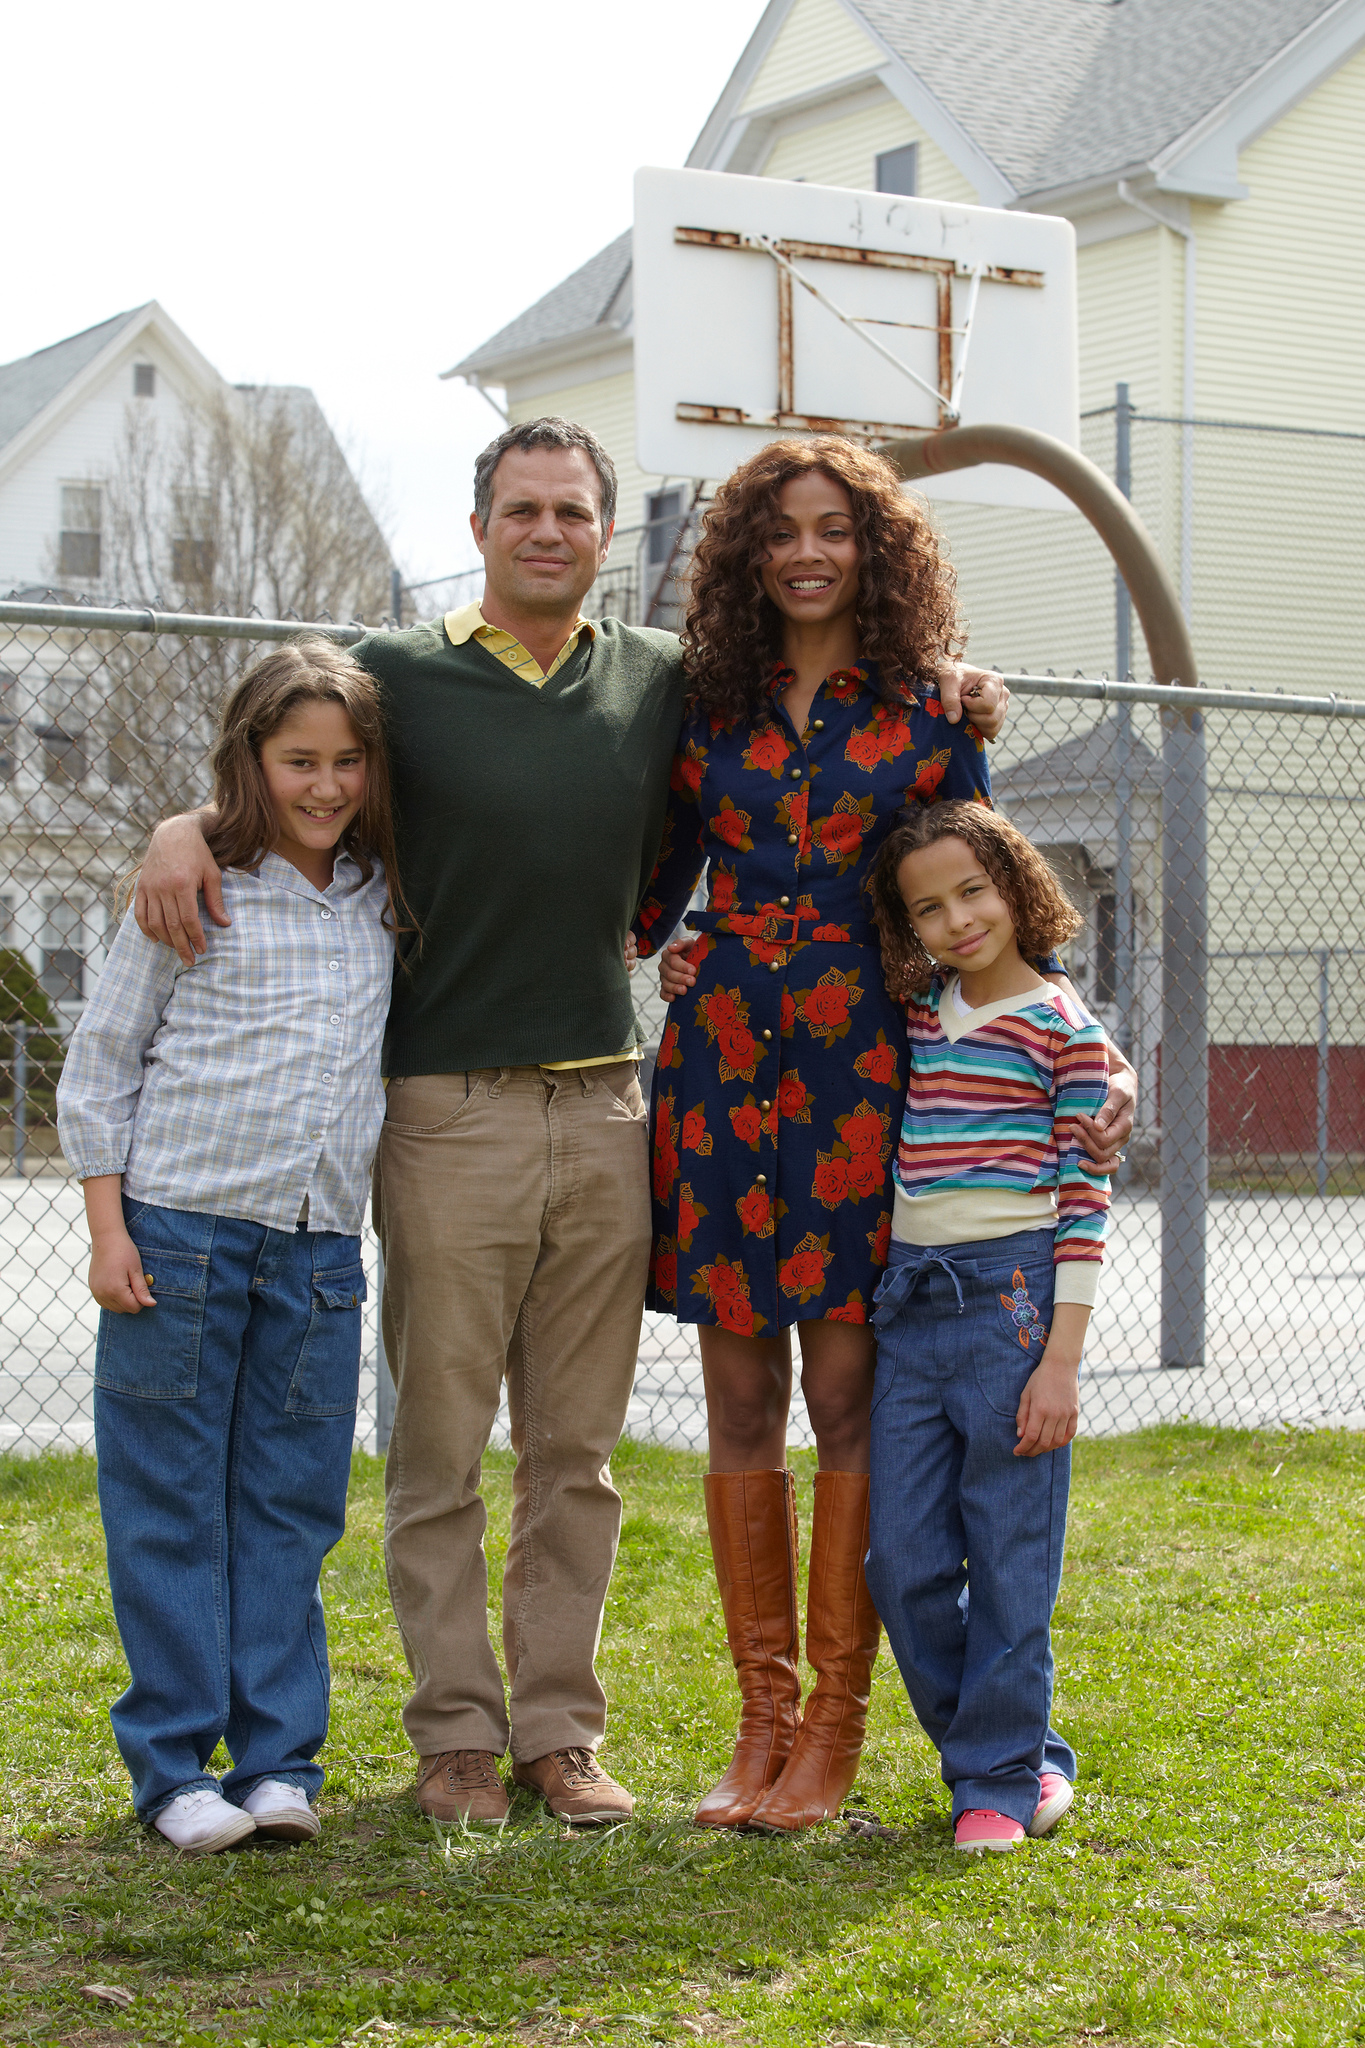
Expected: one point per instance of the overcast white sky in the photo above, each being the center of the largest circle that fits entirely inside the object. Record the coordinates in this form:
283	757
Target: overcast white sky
348	196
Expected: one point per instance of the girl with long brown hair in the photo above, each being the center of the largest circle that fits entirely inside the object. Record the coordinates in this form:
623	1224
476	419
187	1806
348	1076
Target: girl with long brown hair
222	1117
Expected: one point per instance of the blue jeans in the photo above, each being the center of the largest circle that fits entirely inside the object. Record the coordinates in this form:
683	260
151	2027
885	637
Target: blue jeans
224	1419
959	1330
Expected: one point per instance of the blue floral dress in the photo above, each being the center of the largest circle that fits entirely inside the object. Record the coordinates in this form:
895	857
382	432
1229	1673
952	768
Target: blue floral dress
781	1074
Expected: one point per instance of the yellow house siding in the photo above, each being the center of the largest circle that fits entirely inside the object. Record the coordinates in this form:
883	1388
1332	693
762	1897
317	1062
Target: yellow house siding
818	42
607	407
845	152
1281	288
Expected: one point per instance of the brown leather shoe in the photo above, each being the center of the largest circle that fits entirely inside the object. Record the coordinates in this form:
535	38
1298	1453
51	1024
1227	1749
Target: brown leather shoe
462	1786
752	1520
842	1634
575	1788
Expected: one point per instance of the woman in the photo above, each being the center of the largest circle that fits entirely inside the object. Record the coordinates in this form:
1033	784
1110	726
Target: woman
822	614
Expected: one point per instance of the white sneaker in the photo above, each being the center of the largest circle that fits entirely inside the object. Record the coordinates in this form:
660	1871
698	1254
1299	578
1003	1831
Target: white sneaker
282	1812
201	1821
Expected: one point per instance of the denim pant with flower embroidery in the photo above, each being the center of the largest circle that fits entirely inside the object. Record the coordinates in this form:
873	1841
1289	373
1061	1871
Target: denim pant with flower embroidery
959	1330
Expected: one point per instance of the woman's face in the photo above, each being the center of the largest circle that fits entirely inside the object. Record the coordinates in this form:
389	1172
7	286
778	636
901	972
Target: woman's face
811	570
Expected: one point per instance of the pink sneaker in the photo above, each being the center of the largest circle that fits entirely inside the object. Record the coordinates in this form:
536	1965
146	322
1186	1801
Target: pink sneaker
1055	1794
981	1828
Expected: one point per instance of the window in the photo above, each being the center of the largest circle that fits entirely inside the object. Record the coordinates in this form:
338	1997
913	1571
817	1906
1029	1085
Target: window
9	724
192	551
79	554
144	380
898	169
663	514
63	975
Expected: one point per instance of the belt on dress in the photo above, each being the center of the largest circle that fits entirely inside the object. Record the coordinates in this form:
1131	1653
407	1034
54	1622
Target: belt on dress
766	925
896	1286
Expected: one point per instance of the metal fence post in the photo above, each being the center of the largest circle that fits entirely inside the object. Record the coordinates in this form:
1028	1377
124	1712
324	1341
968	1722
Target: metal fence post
1125	963
1324	1061
19	1072
1184	1040
385	1394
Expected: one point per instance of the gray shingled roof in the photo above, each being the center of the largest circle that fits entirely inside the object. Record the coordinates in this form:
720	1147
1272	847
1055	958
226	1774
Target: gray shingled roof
32	382
582	301
1053	91
1057	91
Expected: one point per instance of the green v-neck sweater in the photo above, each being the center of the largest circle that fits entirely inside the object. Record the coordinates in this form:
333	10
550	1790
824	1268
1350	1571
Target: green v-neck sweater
528	823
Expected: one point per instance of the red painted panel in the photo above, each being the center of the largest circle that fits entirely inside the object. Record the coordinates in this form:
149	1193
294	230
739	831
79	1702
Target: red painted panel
1264	1098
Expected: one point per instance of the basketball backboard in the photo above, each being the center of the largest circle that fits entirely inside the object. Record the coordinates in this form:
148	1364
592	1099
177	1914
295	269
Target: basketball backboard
763	308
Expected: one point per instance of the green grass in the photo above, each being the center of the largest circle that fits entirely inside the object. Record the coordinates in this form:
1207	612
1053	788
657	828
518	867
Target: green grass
1206	1889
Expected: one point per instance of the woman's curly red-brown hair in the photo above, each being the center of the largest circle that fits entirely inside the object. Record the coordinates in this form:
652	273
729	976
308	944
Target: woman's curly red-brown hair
1043	914
907	592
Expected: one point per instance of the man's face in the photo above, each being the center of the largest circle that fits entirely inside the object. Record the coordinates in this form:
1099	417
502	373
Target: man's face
544	544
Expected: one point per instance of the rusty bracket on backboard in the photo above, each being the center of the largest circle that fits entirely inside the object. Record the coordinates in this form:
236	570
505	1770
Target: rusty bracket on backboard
787	254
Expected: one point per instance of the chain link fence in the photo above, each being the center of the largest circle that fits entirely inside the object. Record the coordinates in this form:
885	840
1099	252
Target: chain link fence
1213	842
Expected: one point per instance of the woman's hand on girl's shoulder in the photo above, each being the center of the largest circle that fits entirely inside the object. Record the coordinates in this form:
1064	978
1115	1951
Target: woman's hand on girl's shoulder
977	691
117	1280
676	972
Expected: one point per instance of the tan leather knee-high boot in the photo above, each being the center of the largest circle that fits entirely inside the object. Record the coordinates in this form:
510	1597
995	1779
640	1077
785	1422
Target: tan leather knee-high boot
752	1520
842	1633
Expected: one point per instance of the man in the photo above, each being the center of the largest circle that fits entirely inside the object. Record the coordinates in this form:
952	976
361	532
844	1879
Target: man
531	751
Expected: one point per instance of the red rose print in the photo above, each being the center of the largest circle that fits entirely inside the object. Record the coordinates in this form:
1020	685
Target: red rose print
845	683
720	1008
830	1185
727	1286
695	1136
688	770
766	750
788	1013
928	776
861	1132
700	947
793	1098
690	1214
825	1008
840	831
746	923
738	1049
834	932
755	1213
770	1122
649	913
863	749
879	1240
933	703
792	815
722	888
878	1063
764	951
732	825
854	1310
734	1312
666	1162
668	1046
803	1273
866	1173
666	1274
747	1123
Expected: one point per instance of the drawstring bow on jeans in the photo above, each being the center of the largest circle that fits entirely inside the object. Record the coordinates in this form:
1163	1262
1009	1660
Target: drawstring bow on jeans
898	1283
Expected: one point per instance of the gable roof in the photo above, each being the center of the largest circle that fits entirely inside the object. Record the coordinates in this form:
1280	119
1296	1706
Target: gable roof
584	301
1035	98
32	382
1058	92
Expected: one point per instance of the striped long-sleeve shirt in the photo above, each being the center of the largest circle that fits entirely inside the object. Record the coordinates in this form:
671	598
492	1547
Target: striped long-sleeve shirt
989	1143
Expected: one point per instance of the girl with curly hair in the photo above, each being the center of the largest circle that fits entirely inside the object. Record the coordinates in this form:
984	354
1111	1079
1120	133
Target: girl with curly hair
821	620
997	1234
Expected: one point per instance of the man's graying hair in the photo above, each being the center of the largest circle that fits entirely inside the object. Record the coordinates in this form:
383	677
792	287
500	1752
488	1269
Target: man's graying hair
551	432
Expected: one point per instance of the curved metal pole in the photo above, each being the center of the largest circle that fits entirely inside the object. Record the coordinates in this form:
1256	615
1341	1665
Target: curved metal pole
1184	847
1169	646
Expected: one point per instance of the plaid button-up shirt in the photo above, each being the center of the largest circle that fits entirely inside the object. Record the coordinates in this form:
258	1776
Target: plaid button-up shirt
239	1085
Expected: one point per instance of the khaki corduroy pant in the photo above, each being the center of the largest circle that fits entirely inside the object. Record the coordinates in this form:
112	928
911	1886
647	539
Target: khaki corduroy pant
513	1208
